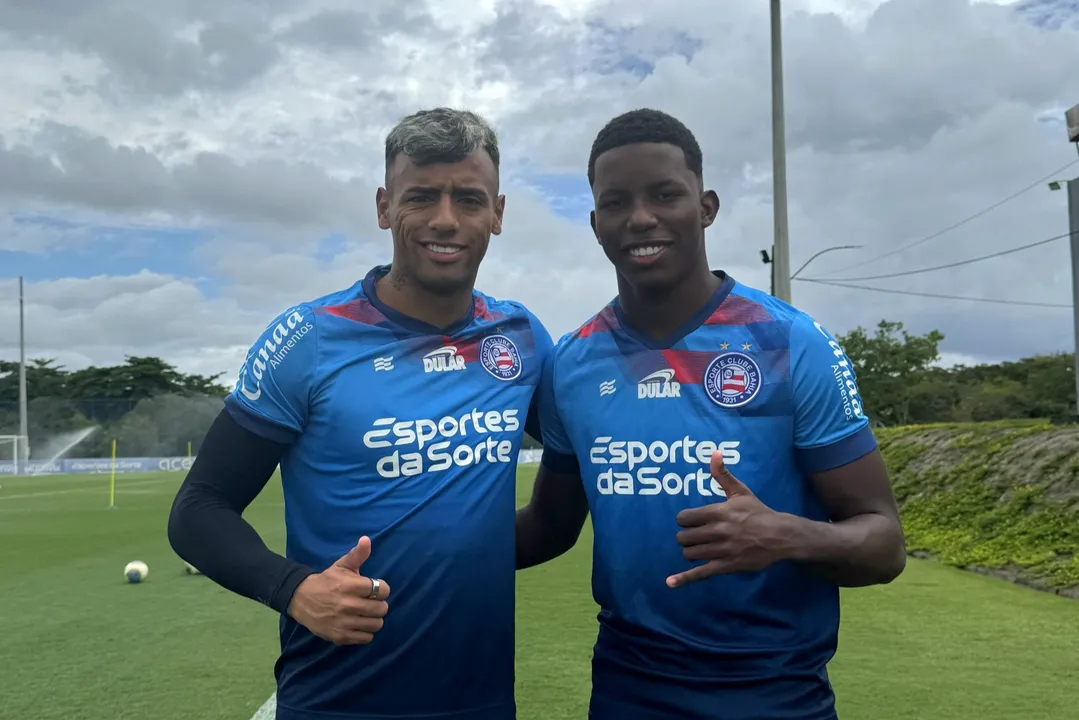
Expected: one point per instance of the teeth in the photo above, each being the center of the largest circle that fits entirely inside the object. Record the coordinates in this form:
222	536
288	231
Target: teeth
645	251
444	249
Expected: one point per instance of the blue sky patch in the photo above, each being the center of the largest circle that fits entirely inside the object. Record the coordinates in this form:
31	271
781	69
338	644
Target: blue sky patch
621	50
568	196
85	251
1050	14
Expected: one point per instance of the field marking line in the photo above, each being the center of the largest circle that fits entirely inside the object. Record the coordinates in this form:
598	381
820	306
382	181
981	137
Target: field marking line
268	711
66	491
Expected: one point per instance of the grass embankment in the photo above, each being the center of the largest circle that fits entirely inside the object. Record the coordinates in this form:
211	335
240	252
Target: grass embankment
999	498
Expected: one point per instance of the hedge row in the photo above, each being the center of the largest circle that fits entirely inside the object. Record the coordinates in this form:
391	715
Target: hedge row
1001	498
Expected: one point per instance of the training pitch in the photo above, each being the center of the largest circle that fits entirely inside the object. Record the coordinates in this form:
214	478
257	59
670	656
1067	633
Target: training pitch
76	641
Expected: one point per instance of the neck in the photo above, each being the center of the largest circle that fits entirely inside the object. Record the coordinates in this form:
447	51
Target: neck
412	299
658	312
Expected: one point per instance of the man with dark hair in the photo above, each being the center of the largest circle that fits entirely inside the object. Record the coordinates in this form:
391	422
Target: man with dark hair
703	421
395	409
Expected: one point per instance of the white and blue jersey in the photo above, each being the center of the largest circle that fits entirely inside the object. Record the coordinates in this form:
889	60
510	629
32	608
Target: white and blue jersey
408	434
768	387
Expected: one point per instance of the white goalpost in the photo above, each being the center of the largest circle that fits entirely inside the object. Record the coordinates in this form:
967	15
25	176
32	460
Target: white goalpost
14	454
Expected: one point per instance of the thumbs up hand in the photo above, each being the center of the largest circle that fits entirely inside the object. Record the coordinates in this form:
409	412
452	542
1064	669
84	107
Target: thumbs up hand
740	534
341	605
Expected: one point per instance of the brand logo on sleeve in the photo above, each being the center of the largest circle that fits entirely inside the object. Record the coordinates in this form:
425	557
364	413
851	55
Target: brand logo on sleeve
278	343
844	378
500	358
732	380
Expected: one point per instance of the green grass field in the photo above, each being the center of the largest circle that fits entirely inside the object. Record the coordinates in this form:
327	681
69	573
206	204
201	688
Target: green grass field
76	641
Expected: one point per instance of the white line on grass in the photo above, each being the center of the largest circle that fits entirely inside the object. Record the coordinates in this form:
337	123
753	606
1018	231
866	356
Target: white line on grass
95	488
268	711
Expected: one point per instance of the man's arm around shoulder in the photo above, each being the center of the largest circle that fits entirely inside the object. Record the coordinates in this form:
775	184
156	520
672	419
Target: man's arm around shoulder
551	522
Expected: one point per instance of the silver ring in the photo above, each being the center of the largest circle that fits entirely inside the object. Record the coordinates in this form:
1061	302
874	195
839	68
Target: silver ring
376	585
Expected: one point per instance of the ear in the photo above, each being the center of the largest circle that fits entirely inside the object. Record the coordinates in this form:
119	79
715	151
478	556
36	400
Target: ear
592	222
709	207
382	208
500	207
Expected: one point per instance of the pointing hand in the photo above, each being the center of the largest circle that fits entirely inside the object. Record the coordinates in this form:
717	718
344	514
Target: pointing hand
341	605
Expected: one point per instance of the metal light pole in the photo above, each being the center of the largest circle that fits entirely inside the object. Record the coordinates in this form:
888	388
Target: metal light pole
1073	226
1071	119
23	449
1072	186
781	269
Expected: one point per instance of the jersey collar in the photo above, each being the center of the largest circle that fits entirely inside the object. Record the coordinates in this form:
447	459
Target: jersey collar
694	322
407	321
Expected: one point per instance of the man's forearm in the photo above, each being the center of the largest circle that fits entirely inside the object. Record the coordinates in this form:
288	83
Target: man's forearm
859	551
206	532
206	526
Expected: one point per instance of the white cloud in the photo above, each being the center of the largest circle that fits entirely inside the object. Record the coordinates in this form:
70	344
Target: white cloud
262	124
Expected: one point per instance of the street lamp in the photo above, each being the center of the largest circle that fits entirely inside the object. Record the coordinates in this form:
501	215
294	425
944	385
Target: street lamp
770	260
826	250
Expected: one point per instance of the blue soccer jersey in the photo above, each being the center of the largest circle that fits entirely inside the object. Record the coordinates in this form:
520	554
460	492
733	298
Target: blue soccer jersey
768	387
408	434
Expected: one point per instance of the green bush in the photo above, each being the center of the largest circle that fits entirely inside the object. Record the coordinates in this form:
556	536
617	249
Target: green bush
1001	497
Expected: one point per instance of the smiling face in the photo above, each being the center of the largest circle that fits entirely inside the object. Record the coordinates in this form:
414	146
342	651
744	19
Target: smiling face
442	217
650	214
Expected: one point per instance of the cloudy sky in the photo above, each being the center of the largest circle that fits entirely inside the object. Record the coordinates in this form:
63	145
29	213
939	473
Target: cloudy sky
173	174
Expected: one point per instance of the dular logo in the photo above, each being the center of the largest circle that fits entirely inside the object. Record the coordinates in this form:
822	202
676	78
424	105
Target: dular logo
660	384
445	359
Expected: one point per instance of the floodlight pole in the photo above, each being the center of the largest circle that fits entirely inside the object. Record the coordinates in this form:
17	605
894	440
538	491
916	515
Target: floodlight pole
781	264
23	454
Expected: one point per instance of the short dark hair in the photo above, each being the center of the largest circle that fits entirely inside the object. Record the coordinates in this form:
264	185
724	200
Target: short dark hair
646	126
441	135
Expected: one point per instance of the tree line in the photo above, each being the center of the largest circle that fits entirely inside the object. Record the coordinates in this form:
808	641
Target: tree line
145	404
901	383
153	410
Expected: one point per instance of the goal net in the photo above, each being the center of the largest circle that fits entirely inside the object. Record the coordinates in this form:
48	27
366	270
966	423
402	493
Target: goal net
14	454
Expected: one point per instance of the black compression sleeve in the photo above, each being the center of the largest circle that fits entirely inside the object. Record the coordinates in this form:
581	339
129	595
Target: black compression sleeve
206	525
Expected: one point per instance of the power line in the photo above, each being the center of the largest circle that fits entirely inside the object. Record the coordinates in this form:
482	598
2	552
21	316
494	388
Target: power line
935	295
958	263
964	221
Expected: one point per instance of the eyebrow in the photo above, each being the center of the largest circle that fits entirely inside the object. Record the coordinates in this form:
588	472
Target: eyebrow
669	182
460	190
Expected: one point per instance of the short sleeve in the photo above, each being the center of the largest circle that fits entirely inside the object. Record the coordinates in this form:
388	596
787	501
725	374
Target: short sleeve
273	391
558	452
543	347
830	425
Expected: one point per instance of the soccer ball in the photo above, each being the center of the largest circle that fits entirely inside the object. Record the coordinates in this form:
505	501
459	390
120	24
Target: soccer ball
136	571
191	569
